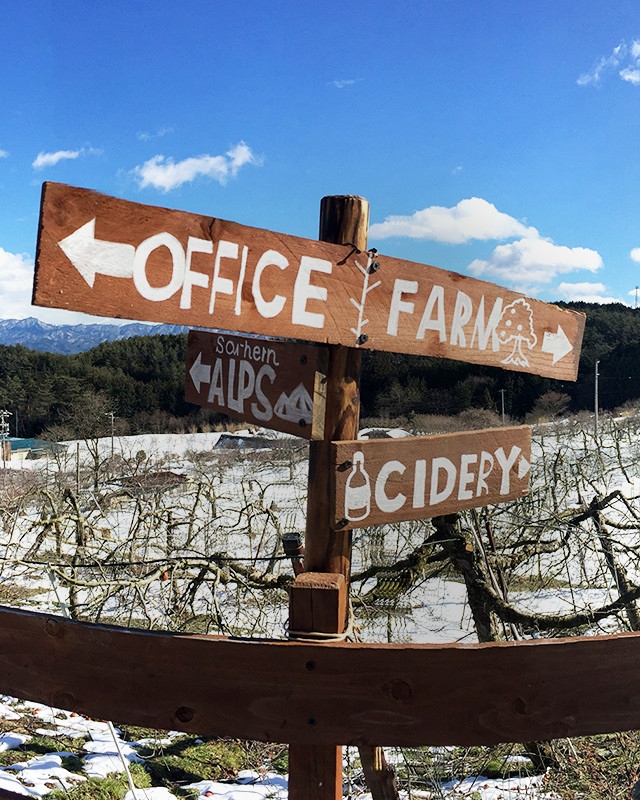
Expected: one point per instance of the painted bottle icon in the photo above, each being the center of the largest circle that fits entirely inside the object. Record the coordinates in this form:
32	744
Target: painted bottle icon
357	491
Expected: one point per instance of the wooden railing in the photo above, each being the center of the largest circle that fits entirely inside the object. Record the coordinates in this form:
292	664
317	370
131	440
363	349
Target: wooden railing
338	693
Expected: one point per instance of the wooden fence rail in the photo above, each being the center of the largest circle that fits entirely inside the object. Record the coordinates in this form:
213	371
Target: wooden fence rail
339	693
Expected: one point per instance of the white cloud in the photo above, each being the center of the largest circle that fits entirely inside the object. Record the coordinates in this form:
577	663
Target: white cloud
473	218
523	264
3	154
624	58
532	261
145	136
635	254
51	159
602	65
165	174
585	293
631	75
582	288
341	83
16	280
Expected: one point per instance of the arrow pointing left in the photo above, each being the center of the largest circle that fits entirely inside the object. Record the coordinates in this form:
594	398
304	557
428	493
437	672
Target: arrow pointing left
91	256
200	373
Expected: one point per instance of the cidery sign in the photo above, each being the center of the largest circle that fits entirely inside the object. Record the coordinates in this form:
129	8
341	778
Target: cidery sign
121	259
278	385
378	481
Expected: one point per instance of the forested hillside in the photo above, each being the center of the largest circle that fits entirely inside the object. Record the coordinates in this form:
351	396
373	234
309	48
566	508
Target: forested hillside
141	380
397	384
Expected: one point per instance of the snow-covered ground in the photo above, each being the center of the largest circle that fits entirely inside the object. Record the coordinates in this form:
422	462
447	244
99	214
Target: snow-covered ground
107	753
235	495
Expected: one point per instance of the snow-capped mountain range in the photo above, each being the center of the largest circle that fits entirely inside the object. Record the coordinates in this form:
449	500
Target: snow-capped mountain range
36	335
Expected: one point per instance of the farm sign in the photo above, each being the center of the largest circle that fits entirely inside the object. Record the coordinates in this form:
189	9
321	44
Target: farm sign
279	385
378	481
116	258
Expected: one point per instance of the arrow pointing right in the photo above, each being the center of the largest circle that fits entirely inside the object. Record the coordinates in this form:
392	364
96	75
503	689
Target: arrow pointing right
200	373
90	255
556	344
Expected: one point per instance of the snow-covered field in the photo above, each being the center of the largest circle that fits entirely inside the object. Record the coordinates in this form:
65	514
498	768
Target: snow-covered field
107	753
160	506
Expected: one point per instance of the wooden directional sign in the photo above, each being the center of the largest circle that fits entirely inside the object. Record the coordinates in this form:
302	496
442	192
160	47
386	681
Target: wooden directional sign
121	259
278	385
389	480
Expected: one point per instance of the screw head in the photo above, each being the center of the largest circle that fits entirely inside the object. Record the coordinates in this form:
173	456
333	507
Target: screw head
374	267
362	338
342	523
303	360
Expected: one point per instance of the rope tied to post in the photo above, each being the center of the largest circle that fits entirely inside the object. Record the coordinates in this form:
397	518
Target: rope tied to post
351	632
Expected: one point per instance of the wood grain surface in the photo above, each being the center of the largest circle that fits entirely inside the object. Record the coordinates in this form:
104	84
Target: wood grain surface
274	384
377	481
325	693
117	258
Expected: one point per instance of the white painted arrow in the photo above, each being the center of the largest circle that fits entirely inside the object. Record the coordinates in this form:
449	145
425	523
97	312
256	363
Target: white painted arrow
556	344
90	255
200	373
523	467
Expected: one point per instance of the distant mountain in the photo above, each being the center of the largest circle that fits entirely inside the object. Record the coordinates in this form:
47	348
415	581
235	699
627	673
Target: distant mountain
42	336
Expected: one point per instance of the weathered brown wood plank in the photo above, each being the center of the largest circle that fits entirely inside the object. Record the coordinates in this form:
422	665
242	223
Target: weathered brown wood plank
309	767
121	259
377	481
325	694
275	384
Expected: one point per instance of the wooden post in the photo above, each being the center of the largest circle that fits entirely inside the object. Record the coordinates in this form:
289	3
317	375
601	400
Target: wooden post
320	605
343	220
315	771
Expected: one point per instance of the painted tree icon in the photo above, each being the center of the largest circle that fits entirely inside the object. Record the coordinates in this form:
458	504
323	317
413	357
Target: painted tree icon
516	325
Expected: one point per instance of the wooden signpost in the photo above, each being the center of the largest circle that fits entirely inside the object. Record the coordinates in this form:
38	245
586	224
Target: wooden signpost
279	385
116	258
381	480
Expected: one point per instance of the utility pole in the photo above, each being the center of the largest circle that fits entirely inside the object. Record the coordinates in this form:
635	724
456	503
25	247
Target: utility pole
4	432
111	414
595	399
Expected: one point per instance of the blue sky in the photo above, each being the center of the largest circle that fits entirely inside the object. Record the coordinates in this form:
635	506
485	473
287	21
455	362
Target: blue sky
497	139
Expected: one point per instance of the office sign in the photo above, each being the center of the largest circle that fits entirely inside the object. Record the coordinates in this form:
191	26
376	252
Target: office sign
277	385
389	480
116	258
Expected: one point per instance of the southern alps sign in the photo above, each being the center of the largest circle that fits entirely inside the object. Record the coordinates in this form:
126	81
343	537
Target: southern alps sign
279	385
116	258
